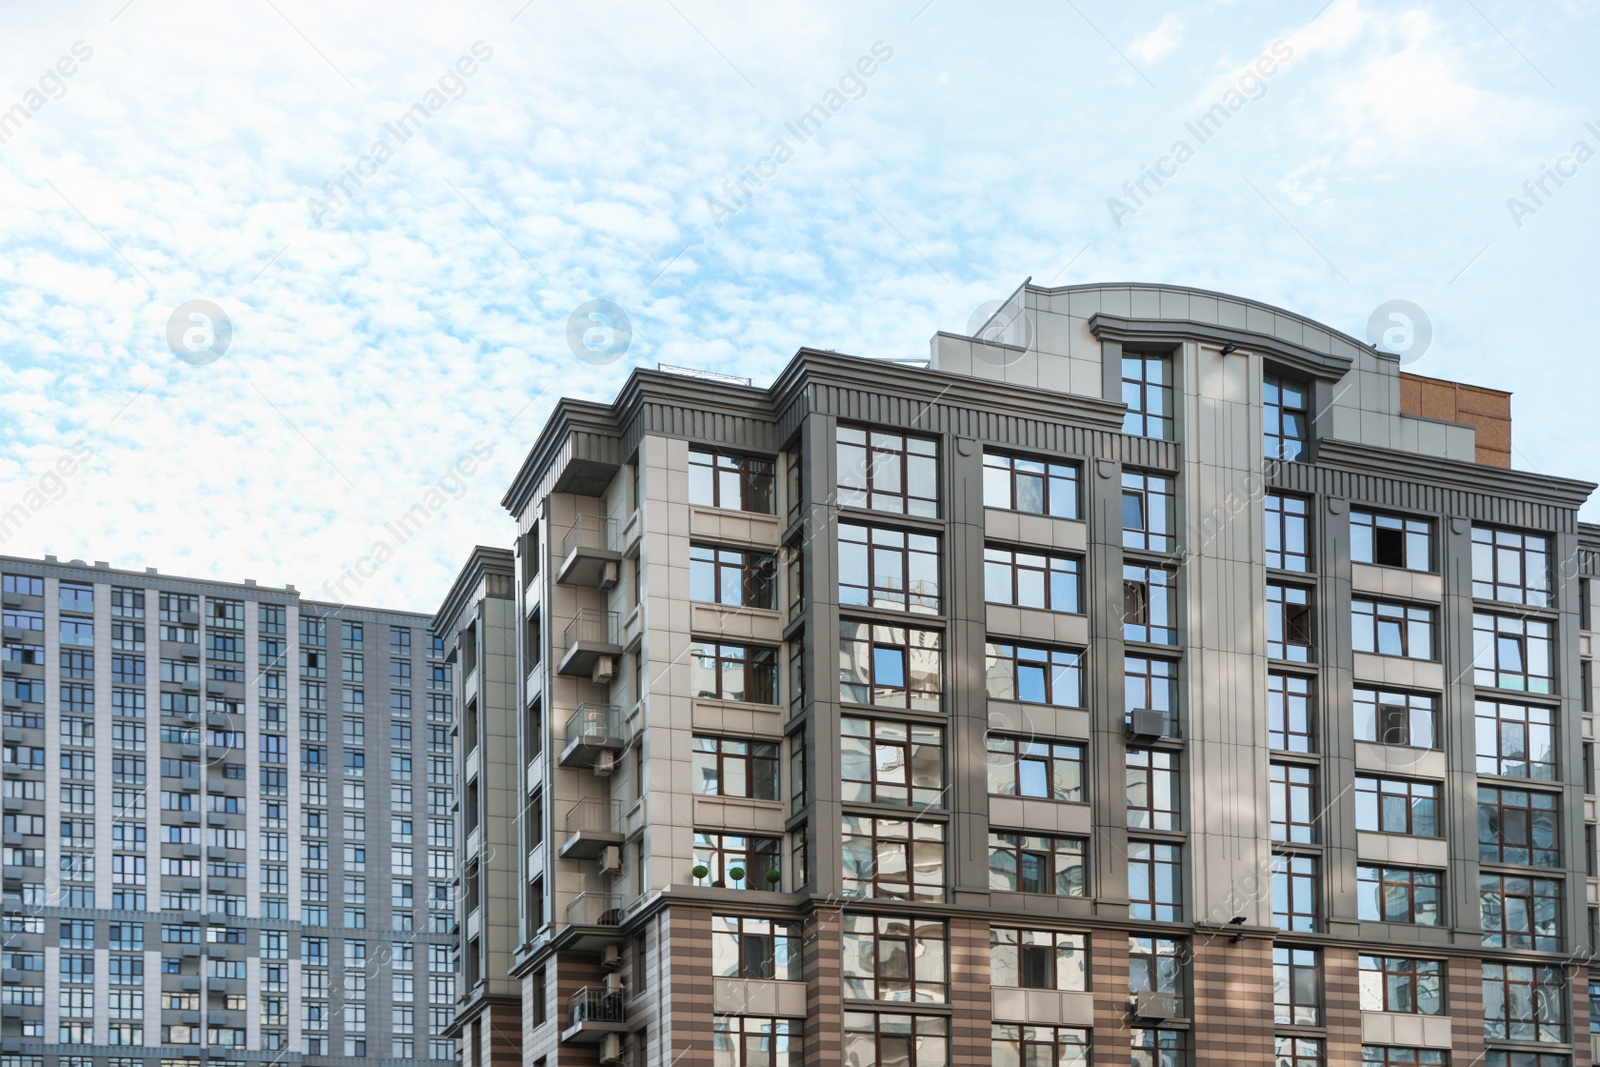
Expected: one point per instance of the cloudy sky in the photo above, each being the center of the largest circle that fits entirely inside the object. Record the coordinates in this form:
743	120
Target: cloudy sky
399	295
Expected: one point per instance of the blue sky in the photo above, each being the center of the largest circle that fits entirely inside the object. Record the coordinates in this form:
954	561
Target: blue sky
408	337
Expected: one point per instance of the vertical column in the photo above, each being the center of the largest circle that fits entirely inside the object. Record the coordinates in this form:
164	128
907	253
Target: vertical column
1232	1004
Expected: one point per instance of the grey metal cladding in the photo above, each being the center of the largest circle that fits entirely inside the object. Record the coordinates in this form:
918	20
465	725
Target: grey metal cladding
1322	365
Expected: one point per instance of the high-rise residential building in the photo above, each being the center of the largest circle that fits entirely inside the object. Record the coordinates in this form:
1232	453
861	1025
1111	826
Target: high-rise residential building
229	835
1162	678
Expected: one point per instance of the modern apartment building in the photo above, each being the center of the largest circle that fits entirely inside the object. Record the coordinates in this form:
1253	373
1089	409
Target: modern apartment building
1162	679
228	825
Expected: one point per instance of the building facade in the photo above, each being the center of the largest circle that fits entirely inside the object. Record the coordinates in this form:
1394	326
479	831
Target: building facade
228	825
1162	678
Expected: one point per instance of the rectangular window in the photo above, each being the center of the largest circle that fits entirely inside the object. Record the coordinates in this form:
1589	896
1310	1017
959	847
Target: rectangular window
883	1039
1288	532
1390	717
1511	652
896	858
1520	912
1524	1002
744	1041
745	673
1510	566
1391	540
1296	986
1150	684
1296	1051
1517	826
1402	985
889	666
1055	1046
1155	881
1031	580
1159	965
738	861
1391	629
1286	414
1289	713
1035	675
885	762
1516	740
1038	959
1398	895
885	471
1293	788
1147	512
1394	1056
1031	767
734	482
1154	788
1147	390
1397	806
894	958
734	767
732	576
1289	622
1296	890
744	947
1024	863
1149	604
1033	486
890	569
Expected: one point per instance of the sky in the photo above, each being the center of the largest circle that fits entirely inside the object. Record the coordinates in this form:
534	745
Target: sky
274	272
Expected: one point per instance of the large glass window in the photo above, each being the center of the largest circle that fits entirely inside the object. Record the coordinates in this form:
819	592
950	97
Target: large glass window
1390	717
1159	965
1155	881
1038	959
1289	622
1402	985
737	861
1510	566
734	672
1511	652
746	1041
896	958
1035	675
1150	684
1034	486
899	859
1286	413
888	472
1398	895
884	1039
1030	767
1293	789
1289	1051
1516	740
1288	532
1517	826
890	569
1289	718
1524	1002
1149	604
1397	806
1147	390
1024	863
735	767
1395	1056
889	666
1147	512
735	482
1024	1044
885	762
1296	887
1031	579
1391	629
1296	986
1158	1048
1391	540
732	576
1155	792
745	947
1520	912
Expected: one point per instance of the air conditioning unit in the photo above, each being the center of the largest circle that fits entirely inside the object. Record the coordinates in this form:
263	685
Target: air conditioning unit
611	1050
1155	1006
609	572
604	764
605	669
611	957
615	985
611	860
1142	722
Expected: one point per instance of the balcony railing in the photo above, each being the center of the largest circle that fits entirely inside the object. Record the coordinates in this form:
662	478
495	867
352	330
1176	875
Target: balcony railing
594	532
592	730
593	816
594	1004
595	909
591	627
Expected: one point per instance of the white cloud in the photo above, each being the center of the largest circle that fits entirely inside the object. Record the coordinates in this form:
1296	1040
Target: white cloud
1159	43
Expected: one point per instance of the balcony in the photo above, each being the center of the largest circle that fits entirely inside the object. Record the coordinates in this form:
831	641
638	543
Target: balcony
590	643
593	730
593	1012
602	910
589	556
592	826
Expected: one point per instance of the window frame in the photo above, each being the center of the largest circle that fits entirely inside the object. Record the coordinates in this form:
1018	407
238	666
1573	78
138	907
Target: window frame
1278	418
1545	989
896	448
911	550
1155	880
1385	727
1496	543
1283	511
1059	573
1365	524
917	647
1292	1003
755	576
1162	781
754	662
882	942
1417	816
779	944
1057	667
1491	640
1399	980
1388	880
1060	758
1055	851
1067	950
1059	484
1293	803
915	839
1296	891
1138	390
1295	630
880	736
758	766
1369	616
1149	591
1492	797
1497	762
754	476
1496	888
1157	529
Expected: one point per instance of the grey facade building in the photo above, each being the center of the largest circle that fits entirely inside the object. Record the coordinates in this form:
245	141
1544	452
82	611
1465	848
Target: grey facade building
228	825
1162	678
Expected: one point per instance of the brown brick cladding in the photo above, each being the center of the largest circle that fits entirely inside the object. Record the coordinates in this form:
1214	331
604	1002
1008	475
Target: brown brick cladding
820	955
972	1008
685	976
1232	1002
1341	1004
499	1034
1108	977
